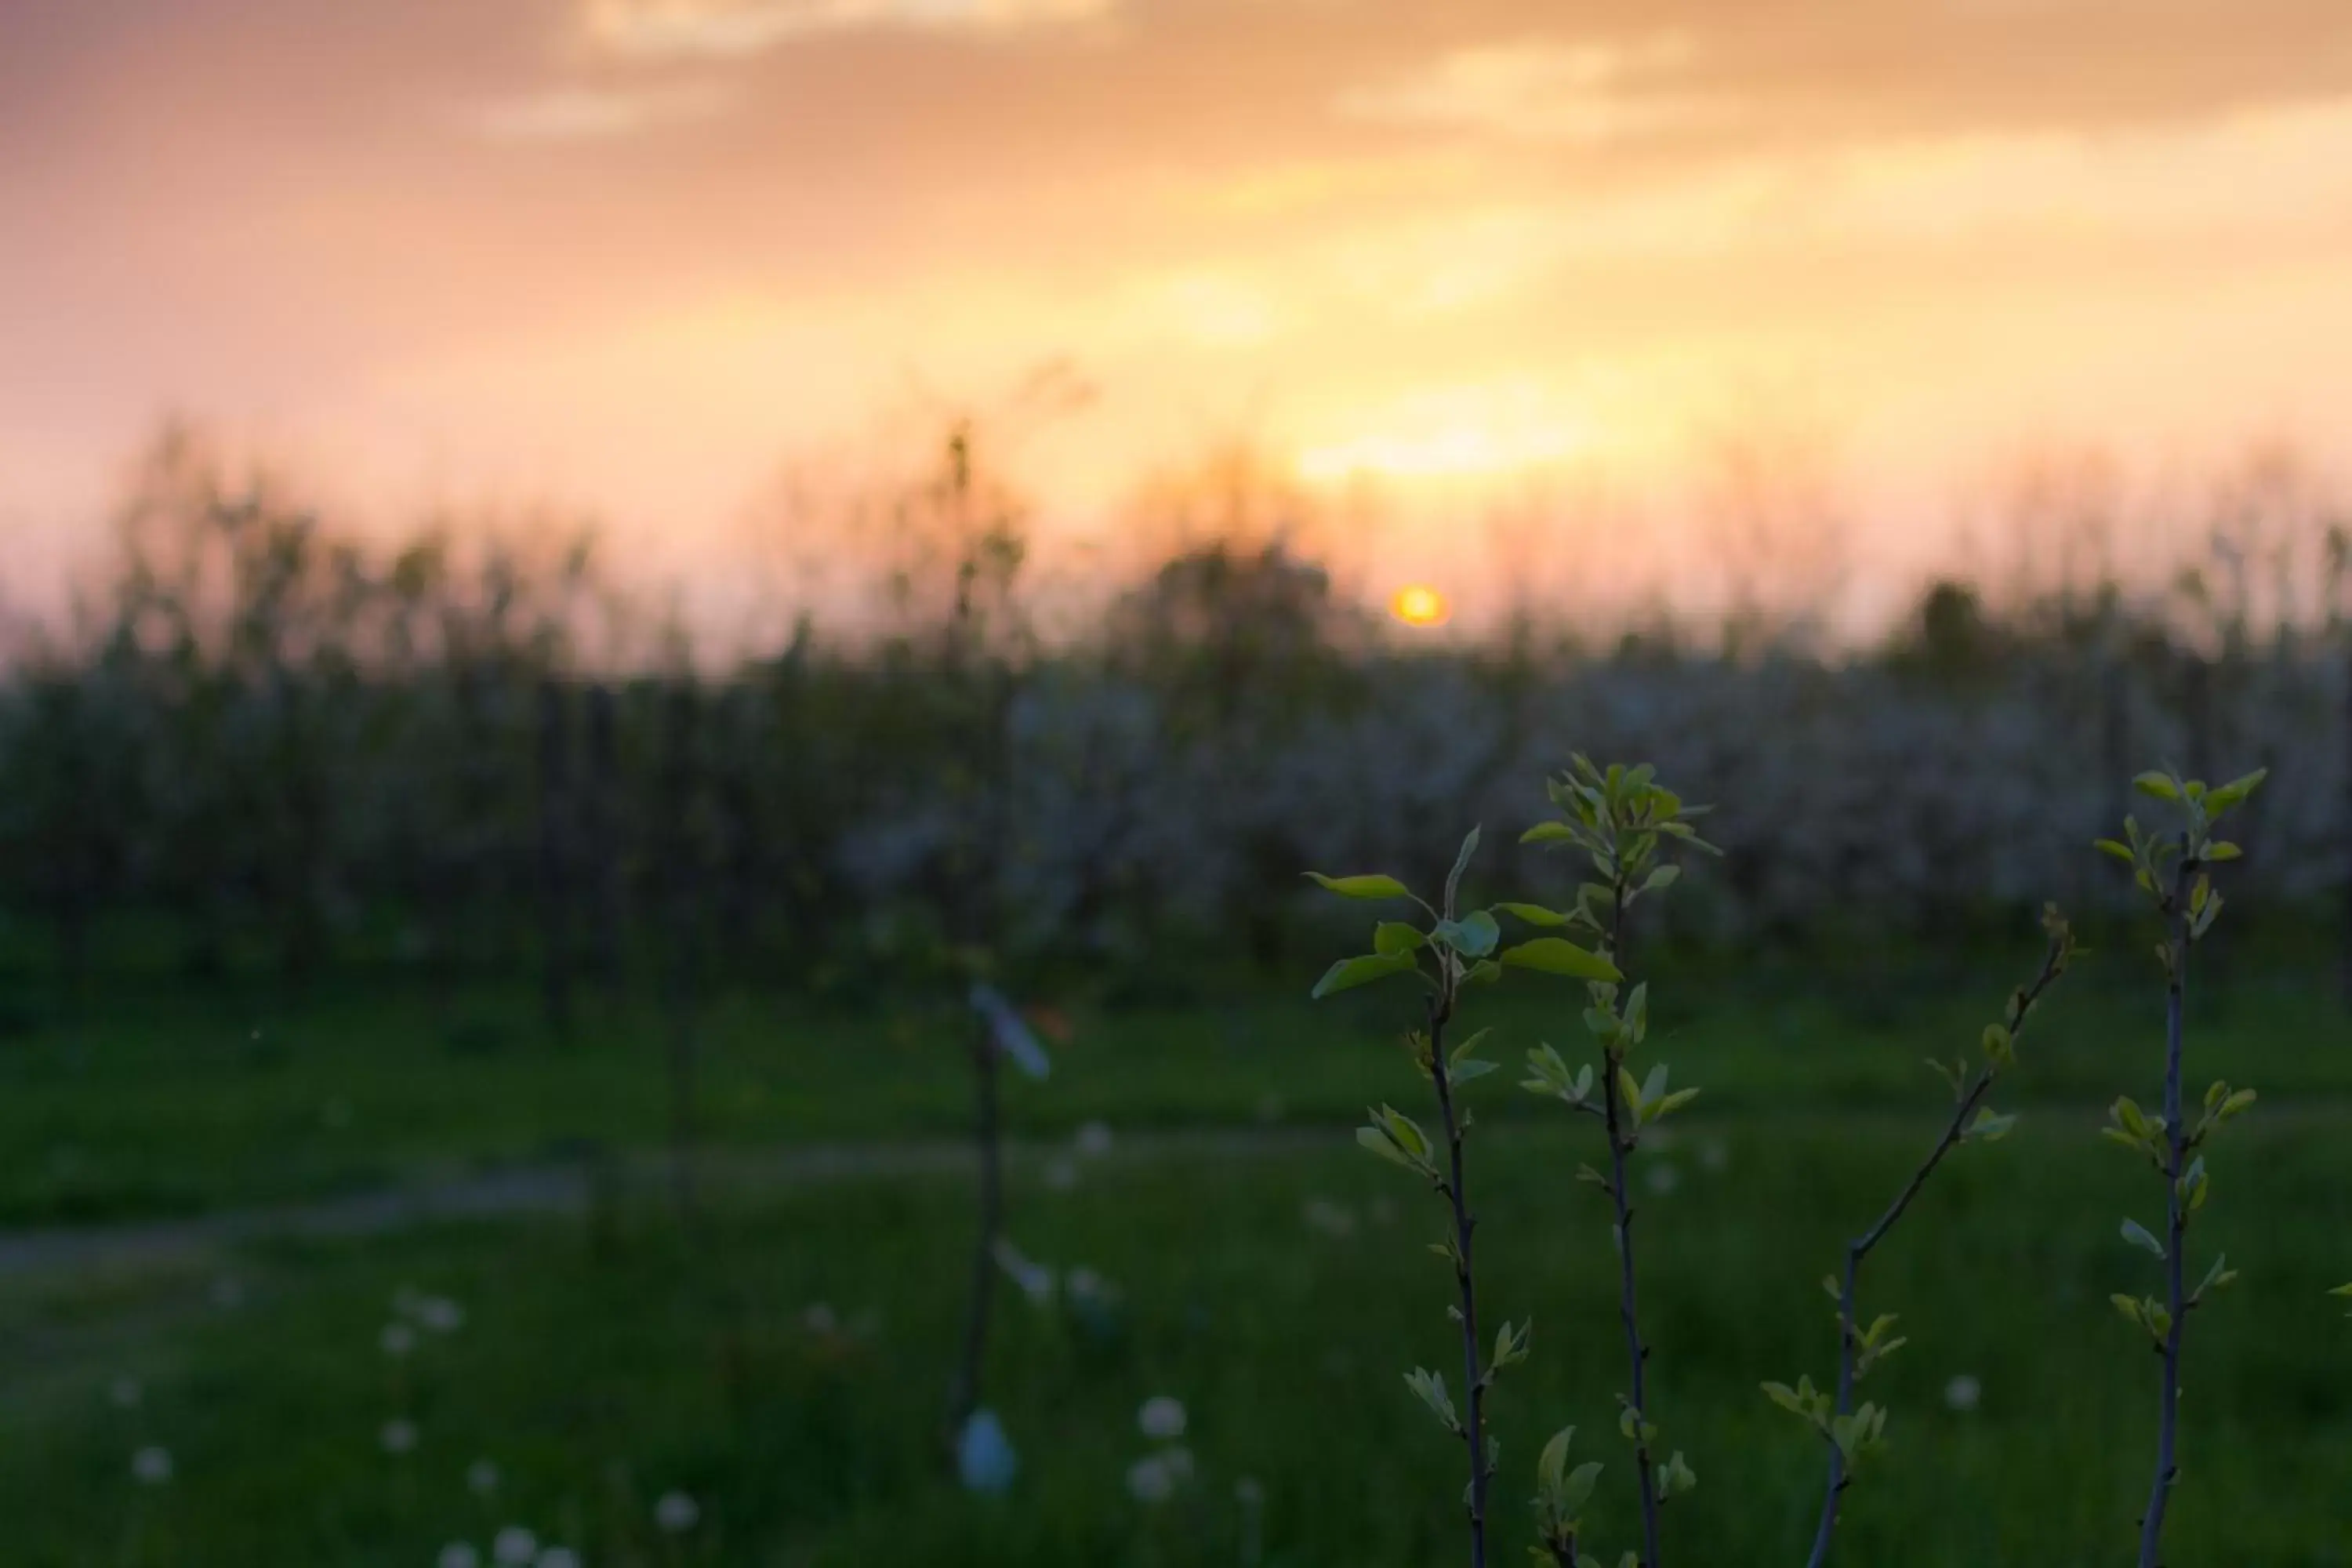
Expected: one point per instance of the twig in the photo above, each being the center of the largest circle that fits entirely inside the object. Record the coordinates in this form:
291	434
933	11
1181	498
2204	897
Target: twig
2168	1470
1858	1251
1474	1430
1629	1306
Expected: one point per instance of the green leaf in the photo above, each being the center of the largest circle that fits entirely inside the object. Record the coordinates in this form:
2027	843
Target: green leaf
1381	1143
1659	880
1557	955
2122	853
2221	850
2139	1236
2157	786
1460	863
1549	833
2235	791
1551	1464
1464	1072
1991	1126
1577	1491
1364	887
1351	973
1390	938
1534	914
1473	936
2218	1277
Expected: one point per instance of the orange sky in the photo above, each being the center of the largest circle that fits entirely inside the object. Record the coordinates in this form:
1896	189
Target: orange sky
635	254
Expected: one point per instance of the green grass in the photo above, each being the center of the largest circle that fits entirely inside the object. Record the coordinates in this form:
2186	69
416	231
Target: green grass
168	1103
599	1375
603	1360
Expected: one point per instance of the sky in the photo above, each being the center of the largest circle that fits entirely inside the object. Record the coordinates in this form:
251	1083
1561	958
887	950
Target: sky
640	258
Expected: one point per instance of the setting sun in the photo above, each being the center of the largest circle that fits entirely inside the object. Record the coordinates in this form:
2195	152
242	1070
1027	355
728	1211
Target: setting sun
1419	605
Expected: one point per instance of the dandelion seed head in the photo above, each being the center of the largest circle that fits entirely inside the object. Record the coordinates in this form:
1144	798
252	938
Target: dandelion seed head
1963	1393
151	1466
514	1546
1161	1418
397	1340
440	1314
459	1555
398	1437
676	1513
1094	1139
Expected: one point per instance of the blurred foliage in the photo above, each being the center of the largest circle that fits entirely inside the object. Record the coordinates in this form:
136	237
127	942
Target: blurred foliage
291	742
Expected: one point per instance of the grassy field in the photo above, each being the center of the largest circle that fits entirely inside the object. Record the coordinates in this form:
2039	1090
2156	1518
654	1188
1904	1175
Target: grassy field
168	1103
785	1363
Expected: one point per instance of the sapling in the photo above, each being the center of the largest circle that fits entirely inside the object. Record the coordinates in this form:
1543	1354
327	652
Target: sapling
1849	1433
2172	871
1620	819
1454	951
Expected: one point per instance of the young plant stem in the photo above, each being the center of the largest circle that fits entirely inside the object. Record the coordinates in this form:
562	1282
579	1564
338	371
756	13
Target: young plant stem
1629	1306
963	1396
2167	1469
1858	1252
1474	1429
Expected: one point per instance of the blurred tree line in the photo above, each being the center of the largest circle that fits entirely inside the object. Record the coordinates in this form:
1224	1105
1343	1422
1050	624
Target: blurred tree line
271	744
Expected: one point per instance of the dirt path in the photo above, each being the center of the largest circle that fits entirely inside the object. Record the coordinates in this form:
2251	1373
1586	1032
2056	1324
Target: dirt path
564	1189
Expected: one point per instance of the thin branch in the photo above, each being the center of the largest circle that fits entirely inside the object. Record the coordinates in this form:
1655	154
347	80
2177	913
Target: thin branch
1629	1307
1858	1251
1474	1429
2167	1465
964	1396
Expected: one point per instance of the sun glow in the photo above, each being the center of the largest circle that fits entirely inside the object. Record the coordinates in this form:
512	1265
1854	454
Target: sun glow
1419	605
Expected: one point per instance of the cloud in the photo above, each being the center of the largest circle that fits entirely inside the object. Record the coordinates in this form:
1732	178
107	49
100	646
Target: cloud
737	28
1588	94
578	113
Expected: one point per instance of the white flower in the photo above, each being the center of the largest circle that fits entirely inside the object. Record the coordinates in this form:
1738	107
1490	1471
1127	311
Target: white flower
676	1513
1151	1480
440	1314
151	1466
1094	1139
1162	1417
1036	1281
126	1393
398	1437
482	1477
559	1557
514	1545
819	1319
1665	1177
459	1555
1962	1393
984	1456
397	1338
